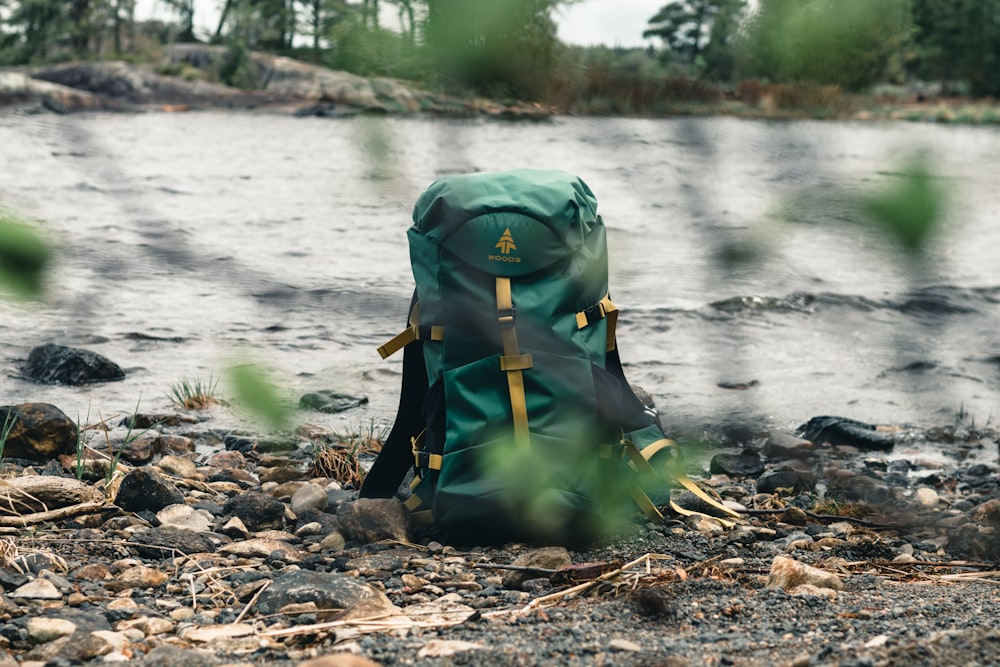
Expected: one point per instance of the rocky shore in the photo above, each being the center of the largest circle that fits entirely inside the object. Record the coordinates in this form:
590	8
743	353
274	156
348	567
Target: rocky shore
157	539
183	81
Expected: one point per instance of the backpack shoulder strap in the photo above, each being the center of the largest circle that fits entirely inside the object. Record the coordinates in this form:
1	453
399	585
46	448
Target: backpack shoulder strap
396	457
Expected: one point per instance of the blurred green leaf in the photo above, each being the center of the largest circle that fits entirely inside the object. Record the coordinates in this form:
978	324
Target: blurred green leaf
254	390
911	209
24	258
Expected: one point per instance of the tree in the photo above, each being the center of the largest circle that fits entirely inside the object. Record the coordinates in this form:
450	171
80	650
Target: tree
688	27
185	10
504	47
851	43
38	30
959	41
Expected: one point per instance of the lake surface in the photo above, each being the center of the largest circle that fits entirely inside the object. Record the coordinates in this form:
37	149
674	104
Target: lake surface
188	242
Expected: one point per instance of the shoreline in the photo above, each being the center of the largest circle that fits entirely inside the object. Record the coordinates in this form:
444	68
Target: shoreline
297	88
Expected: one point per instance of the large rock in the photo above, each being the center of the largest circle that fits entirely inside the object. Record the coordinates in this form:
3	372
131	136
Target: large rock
59	364
374	519
144	489
329	591
40	432
18	88
258	511
843	431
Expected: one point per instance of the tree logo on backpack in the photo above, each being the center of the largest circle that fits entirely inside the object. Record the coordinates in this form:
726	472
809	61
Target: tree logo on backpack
506	244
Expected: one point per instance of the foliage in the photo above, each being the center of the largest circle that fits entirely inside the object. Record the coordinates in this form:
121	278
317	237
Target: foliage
850	43
195	394
502	48
959	41
237	68
374	52
625	81
24	259
8	425
699	32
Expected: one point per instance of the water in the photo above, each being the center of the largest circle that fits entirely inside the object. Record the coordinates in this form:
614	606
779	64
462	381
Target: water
188	242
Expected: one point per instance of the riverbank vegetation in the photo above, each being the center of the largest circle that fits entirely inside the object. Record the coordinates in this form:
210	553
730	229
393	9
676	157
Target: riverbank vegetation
903	59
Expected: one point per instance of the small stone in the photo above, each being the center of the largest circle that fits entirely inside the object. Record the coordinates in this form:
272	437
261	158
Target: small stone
42	630
235	529
787	574
624	646
440	648
123	604
39	589
183	517
309	497
546	558
927	498
344	659
140	576
148	625
178	466
213	633
333	542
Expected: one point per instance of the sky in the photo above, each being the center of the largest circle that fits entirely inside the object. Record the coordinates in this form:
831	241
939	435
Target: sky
587	23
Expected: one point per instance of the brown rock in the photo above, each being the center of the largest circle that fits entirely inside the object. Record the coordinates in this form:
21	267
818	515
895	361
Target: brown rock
40	432
369	520
140	576
788	574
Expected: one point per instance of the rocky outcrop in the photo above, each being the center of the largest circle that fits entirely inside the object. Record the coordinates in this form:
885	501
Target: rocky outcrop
21	89
280	84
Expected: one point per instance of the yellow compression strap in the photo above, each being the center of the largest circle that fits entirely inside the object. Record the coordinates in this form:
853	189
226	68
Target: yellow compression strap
605	310
650	450
513	362
409	334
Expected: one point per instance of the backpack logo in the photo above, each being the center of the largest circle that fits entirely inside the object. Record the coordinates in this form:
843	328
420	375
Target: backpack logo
505	244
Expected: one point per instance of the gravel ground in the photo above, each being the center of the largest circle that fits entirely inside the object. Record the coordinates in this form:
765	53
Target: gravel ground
906	557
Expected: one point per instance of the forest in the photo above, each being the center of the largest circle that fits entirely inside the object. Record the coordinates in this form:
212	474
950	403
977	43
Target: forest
700	50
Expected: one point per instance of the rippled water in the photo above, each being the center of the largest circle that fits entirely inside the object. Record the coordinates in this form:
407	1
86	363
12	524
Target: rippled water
190	241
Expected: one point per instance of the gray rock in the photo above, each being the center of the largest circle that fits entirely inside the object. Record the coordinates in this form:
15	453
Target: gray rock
59	364
331	402
258	511
530	564
39	433
171	656
183	517
146	489
328	591
796	480
165	542
747	463
309	497
373	519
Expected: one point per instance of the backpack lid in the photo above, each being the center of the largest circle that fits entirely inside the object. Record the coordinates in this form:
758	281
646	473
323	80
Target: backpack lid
512	222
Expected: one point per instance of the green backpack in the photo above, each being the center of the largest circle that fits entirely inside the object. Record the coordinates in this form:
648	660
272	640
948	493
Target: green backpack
514	413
